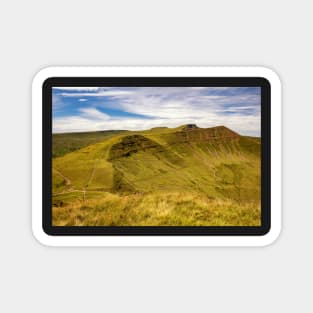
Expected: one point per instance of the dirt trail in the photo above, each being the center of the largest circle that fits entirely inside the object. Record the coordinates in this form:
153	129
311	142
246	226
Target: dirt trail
67	191
67	180
92	174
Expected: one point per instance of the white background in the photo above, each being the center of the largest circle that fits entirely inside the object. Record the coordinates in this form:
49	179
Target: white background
36	34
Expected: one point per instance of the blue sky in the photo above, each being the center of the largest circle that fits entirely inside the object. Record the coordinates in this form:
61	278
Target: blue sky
136	108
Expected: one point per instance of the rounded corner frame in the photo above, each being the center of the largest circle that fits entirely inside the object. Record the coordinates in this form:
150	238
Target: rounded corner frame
268	238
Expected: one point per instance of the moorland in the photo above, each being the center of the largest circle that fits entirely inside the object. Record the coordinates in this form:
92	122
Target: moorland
184	176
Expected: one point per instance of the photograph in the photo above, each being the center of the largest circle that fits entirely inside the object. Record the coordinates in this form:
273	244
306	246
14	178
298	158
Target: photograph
156	156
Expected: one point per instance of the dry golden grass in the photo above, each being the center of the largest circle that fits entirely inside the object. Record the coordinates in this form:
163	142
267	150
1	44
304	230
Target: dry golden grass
157	209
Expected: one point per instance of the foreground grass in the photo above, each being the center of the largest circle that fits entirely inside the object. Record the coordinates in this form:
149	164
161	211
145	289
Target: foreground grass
156	209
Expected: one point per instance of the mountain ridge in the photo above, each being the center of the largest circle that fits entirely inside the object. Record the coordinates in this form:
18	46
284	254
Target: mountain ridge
146	161
204	167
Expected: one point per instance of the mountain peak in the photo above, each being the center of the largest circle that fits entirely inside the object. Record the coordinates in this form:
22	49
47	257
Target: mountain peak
189	127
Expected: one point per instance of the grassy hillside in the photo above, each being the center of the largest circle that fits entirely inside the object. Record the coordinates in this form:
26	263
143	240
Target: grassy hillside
69	142
181	176
156	209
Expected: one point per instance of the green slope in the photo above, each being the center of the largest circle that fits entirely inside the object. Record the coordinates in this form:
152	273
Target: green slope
69	142
215	163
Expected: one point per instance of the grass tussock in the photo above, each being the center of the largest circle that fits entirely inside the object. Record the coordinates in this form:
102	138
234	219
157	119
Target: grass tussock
157	209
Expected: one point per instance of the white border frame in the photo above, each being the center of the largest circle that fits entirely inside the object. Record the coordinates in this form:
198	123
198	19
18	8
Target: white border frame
125	241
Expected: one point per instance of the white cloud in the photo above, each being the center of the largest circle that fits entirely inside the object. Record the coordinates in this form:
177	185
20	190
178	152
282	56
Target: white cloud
77	88
93	114
242	125
102	93
82	100
164	106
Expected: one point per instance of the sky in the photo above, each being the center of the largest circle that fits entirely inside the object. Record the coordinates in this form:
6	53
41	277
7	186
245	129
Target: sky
77	109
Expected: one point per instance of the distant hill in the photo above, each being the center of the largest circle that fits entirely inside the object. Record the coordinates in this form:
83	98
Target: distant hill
215	163
69	142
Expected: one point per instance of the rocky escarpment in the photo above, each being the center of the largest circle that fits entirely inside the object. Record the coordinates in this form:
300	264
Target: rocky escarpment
192	133
132	144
